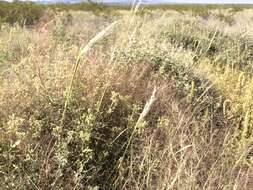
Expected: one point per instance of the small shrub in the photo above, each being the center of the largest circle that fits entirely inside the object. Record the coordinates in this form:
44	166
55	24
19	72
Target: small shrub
21	13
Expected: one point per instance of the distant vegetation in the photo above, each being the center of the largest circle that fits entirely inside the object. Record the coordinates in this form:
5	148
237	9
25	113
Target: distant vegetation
22	13
28	13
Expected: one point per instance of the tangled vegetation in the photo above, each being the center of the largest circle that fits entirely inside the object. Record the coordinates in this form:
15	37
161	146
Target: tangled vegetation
156	100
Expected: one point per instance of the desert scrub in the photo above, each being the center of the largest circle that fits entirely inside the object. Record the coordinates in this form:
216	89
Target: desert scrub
87	149
90	151
14	43
195	134
226	18
59	27
236	88
91	140
173	62
235	50
85	152
20	13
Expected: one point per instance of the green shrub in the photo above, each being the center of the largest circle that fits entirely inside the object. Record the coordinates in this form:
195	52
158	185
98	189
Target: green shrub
21	13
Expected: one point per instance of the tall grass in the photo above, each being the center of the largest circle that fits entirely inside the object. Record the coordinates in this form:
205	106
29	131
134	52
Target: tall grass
162	101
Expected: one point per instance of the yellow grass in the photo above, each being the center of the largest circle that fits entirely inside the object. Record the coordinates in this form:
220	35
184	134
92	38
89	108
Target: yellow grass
161	101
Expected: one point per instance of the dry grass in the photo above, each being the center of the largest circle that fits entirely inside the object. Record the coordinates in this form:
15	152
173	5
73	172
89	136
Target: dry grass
163	101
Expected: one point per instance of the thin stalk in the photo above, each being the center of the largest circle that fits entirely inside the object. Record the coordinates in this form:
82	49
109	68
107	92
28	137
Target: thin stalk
141	118
82	53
